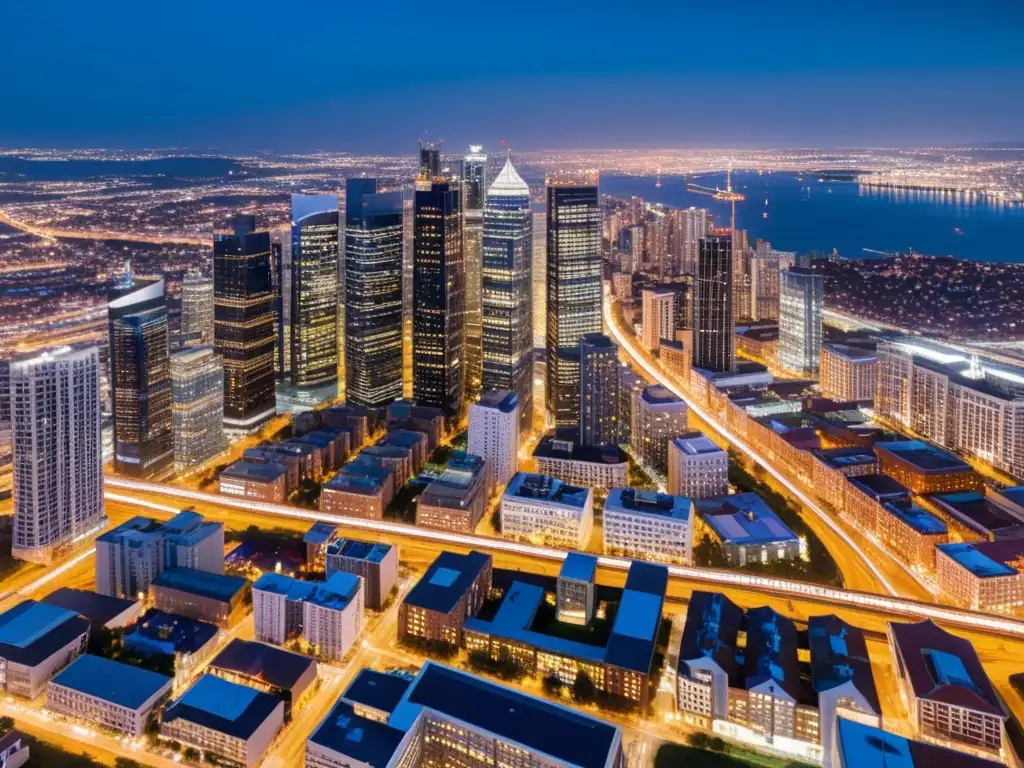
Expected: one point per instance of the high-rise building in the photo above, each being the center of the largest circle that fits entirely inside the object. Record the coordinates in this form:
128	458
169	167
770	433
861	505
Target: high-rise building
573	288
315	249
658	315
801	293
714	342
243	324
197	403
430	161
196	310
474	193
439	299
140	378
281	271
58	464
658	418
506	302
693	225
599	391
494	434
373	294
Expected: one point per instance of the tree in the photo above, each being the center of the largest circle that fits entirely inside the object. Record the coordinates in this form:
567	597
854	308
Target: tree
175	746
552	685
698	740
191	754
583	689
212	757
152	730
6	724
126	762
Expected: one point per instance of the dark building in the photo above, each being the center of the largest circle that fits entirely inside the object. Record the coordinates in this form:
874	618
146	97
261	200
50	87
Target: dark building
439	299
244	326
140	378
373	294
573	290
314	290
430	161
599	393
714	344
474	179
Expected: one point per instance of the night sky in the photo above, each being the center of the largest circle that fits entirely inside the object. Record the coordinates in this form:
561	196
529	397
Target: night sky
375	76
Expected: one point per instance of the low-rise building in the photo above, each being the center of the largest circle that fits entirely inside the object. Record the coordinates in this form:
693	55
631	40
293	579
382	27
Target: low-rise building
707	658
831	468
866	746
100	610
457	500
412	439
397	458
1012	498
864	497
571	462
317	539
404	414
697	467
848	373
945	688
983	575
14	750
748	530
289	676
208	597
255	480
677	358
977	516
658	417
234	721
189	642
647	525
38	640
361	490
453	588
911	534
758	342
924	468
575	597
547	509
376	563
107	694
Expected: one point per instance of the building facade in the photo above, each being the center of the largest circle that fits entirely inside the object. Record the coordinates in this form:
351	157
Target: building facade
658	308
697	468
544	508
714	326
474	193
658	418
197	406
196	310
494	434
599	391
647	525
801	297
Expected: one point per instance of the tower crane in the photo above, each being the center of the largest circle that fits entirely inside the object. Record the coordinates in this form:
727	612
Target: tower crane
728	194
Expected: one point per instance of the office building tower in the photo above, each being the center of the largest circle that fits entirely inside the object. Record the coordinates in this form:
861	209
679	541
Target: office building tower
539	276
196	310
658	418
281	271
373	294
599	391
848	373
430	161
506	301
243	323
315	249
474	192
658	315
140	378
694	225
573	288
57	460
494	434
801	293
714	343
197	406
697	468
439	299
6	472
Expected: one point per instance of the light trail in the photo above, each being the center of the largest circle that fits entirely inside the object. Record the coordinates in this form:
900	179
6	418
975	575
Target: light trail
742	446
783	587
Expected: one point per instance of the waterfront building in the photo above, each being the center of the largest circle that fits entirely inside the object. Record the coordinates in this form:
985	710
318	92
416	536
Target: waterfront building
848	373
575	594
373	294
314	289
243	325
982	575
647	525
658	418
457	499
577	464
439	299
210	597
547	509
801	296
196	310
140	379
658	307
197	406
289	676
474	193
748	530
599	391
37	640
454	588
506	304
54	402
714	342
375	563
573	287
697	467
494	434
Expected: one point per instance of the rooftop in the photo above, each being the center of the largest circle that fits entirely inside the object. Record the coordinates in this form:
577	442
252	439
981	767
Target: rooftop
501	399
634	634
578	567
843	458
986	559
508	182
359	738
851	353
839	655
1014	495
232	709
167	633
865	746
526	485
924	456
771	653
656	394
275	666
121	684
98	609
920	520
553	447
979	513
743	518
254	470
693	443
359	479
379	690
648	503
210	585
359	550
320	533
881	487
335	593
713	622
31	632
447	580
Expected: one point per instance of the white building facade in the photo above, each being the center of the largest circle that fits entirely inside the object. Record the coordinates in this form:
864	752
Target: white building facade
494	434
697	468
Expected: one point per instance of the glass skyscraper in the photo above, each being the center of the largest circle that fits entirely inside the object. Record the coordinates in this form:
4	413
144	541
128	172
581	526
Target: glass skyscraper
801	294
373	294
573	289
474	192
438	319
714	341
506	303
244	326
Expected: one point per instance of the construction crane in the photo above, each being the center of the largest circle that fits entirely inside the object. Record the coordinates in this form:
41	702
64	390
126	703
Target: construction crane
728	194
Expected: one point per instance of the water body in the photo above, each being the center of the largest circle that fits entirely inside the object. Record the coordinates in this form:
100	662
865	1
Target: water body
803	214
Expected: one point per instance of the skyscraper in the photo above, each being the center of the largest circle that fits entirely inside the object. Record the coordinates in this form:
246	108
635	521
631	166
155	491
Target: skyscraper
573	288
373	294
801	293
430	161
197	396
599	391
714	343
439	299
140	378
474	192
196	310
244	325
494	434
693	225
506	302
58	464
314	290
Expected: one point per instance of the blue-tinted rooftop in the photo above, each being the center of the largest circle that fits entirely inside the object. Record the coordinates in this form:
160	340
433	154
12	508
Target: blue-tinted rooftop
771	652
743	519
526	485
31	632
986	559
636	501
656	394
359	550
272	665
210	585
979	513
1014	495
230	708
379	690
713	622
99	609
336	593
579	567
839	654
924	456
881	487
917	518
158	632
844	458
864	746
112	681
363	740
320	533
502	399
695	443
447	580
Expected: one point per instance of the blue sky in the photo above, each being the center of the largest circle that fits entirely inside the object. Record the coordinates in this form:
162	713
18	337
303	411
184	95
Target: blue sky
312	74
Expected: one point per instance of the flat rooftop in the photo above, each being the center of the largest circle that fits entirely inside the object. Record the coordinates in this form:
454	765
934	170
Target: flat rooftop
919	519
864	746
320	533
880	486
579	567
209	585
380	690
656	394
979	513
447	580
644	502
335	593
553	447
847	352
370	551
98	609
274	666
526	485
500	399
844	458
258	471
743	518
986	559
367	481
167	633
236	710
1014	495
925	457
121	684
31	632
694	443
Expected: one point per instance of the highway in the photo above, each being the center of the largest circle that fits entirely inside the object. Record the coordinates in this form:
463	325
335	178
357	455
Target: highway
100	234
